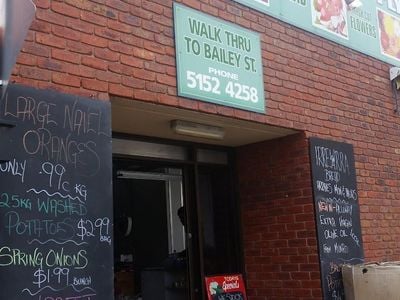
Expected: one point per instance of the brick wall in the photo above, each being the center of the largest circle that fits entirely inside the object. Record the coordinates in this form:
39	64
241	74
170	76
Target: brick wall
280	243
96	48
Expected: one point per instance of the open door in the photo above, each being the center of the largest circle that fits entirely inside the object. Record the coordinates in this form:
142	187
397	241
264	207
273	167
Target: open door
151	249
176	220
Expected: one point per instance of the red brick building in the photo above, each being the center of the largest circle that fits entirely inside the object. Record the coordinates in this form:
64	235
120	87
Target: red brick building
124	52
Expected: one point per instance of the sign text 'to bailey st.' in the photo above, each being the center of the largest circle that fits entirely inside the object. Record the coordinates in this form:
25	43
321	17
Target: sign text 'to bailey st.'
217	61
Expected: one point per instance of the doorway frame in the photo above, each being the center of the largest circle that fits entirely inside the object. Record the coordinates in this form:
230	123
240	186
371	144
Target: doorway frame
189	163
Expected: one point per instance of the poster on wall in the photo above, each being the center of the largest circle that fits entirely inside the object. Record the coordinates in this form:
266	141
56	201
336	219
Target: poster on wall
337	212
217	61
371	27
225	287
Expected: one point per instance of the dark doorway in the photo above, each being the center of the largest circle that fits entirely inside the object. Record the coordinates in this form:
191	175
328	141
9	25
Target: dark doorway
175	222
219	220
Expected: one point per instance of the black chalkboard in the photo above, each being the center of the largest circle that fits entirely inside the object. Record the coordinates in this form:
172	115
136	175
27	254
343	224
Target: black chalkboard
55	197
337	212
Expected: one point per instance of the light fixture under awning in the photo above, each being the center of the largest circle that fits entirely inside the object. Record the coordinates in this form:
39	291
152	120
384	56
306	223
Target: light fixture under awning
197	129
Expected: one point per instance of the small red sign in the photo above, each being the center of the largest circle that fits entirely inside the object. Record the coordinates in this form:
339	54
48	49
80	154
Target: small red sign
226	287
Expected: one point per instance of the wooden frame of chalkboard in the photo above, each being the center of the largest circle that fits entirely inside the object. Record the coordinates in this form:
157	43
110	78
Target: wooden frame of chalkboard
337	212
55	197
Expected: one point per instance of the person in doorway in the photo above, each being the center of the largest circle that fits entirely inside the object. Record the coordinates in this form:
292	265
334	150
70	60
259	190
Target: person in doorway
181	216
176	265
178	260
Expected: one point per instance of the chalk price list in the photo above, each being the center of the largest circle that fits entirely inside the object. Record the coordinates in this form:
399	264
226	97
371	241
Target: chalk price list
52	211
212	84
60	219
337	212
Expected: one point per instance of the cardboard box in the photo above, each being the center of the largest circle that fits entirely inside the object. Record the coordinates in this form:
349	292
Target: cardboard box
124	285
372	281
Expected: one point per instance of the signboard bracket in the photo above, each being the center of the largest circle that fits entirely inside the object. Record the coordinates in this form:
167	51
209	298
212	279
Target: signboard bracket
396	97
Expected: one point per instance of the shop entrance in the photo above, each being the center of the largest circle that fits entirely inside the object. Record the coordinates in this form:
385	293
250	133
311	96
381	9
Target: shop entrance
175	219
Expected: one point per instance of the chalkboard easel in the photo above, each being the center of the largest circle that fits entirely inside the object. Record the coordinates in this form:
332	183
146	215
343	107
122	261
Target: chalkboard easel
337	212
55	197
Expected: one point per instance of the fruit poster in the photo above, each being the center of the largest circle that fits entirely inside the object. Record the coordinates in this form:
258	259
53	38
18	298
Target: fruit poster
371	27
225	287
330	15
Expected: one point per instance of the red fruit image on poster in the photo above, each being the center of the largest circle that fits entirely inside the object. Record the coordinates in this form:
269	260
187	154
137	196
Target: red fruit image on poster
225	287
330	15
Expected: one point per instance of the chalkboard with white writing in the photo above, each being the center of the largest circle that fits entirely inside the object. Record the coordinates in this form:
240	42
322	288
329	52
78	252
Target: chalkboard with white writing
55	197
337	212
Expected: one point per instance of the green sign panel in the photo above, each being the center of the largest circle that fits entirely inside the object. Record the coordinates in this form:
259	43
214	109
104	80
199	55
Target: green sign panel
217	61
368	26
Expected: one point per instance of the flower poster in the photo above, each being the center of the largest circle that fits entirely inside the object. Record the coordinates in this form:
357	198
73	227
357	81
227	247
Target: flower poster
389	34
371	27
